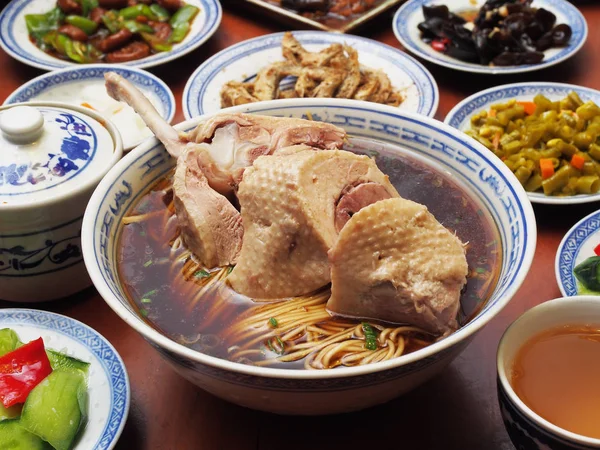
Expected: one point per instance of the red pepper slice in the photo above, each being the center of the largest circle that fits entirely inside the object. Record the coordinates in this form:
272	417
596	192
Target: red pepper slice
21	370
440	45
597	250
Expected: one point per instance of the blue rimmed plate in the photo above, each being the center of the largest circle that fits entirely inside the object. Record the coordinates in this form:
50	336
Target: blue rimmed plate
108	383
460	117
576	246
410	14
84	85
240	62
14	38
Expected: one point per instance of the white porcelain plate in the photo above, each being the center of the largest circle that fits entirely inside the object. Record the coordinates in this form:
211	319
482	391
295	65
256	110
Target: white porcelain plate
108	383
409	15
577	245
84	85
242	61
460	117
14	37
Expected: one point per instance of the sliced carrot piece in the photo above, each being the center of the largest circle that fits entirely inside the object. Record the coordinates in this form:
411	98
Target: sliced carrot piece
577	161
546	167
492	113
528	106
496	141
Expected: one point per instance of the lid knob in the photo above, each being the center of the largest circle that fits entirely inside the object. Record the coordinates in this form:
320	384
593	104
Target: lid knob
22	124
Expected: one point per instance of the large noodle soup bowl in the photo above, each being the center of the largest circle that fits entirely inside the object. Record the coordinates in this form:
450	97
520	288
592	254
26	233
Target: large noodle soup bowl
342	389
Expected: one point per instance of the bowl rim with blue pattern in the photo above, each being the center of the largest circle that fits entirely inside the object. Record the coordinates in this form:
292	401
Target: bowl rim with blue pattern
531	322
15	43
459	118
569	249
512	212
199	84
408	16
140	78
96	346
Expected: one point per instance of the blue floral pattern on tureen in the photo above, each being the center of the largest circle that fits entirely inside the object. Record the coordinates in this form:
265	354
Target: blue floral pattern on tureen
77	149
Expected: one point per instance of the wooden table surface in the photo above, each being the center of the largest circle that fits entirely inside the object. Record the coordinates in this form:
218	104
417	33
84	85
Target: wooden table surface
456	410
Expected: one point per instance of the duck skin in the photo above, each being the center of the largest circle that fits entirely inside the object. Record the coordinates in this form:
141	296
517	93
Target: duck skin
293	205
393	261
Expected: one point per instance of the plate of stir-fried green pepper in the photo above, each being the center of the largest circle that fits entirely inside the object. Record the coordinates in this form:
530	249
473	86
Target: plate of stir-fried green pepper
51	34
548	134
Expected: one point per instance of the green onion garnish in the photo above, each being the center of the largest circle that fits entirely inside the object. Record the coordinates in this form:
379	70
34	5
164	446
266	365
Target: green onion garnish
370	336
202	274
150	293
273	322
142	233
229	270
146	300
144	312
281	349
148	263
480	270
489	244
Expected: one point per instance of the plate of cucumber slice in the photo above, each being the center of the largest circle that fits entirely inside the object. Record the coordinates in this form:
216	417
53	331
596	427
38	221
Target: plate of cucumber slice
63	386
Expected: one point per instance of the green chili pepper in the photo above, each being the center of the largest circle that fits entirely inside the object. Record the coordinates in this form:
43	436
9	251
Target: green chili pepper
370	336
184	14
179	32
132	12
137	27
39	25
157	45
160	12
111	21
81	52
88	5
87	25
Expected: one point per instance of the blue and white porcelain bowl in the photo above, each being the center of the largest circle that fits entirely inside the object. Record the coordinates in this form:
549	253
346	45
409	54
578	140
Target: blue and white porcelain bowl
84	85
341	389
108	382
459	117
528	430
53	156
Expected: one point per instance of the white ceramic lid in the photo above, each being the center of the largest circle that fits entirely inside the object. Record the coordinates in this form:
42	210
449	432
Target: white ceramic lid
48	151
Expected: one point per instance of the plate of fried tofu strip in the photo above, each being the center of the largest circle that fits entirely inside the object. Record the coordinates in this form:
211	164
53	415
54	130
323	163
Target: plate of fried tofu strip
310	64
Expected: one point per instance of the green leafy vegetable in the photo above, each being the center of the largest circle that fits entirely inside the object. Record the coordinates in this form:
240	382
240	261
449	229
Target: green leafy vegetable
588	273
370	336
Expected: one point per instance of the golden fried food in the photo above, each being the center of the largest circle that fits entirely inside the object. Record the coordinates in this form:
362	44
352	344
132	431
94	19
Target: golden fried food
333	72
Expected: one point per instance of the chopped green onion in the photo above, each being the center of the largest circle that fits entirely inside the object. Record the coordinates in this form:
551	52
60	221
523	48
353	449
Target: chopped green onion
273	322
370	337
148	263
151	293
142	233
480	270
281	349
202	274
229	270
489	244
144	312
146	300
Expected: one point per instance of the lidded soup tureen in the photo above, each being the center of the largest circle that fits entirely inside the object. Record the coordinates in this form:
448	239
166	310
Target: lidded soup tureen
52	156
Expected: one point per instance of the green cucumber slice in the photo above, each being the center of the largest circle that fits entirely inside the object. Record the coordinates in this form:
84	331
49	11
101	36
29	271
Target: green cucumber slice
10	413
9	341
61	361
15	437
56	409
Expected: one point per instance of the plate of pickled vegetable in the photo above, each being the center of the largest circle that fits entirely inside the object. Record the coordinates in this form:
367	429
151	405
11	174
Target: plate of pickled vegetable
577	264
62	385
548	134
52	34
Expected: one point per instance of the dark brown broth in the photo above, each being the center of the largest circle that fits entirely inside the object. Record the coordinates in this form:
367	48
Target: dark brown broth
158	288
